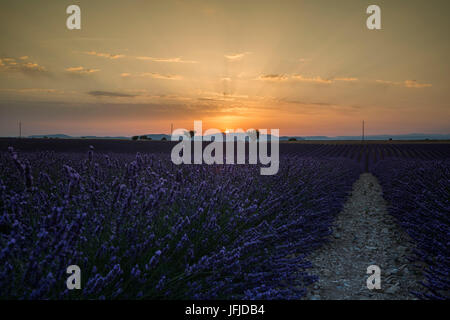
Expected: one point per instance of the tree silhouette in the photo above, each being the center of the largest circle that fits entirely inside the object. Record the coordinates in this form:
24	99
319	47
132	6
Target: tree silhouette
254	135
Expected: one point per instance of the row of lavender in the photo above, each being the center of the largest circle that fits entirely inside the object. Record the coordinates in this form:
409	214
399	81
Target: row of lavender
140	227
368	155
419	196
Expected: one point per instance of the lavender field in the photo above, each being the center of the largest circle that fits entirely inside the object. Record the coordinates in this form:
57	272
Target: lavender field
140	227
419	193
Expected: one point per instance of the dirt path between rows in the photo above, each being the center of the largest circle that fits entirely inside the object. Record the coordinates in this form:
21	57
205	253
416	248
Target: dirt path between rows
364	234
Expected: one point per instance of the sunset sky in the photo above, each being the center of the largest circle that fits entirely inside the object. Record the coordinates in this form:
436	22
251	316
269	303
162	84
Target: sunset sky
306	67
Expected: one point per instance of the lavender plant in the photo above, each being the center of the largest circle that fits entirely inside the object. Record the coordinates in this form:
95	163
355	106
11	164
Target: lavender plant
140	227
419	196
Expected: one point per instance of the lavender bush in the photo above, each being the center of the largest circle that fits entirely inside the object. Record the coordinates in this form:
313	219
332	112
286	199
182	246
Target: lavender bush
419	196
140	227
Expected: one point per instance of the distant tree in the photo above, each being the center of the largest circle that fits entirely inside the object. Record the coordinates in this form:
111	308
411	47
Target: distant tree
134	138
390	139
163	139
254	135
143	138
292	139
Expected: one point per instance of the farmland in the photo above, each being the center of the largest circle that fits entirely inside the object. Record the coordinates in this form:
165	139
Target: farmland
140	227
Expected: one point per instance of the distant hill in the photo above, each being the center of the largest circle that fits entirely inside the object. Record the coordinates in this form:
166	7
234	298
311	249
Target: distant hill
95	137
56	136
158	137
411	136
65	136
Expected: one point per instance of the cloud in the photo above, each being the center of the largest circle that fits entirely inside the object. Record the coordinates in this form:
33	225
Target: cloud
31	67
415	84
273	77
218	96
301	78
105	55
211	99
81	70
111	94
171	60
152	75
236	56
300	102
165	77
13	65
388	82
406	83
32	90
311	107
346	79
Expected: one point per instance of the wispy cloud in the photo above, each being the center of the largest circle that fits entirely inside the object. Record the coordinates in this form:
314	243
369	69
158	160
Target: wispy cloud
163	76
111	94
314	107
81	70
346	79
170	60
388	82
22	66
301	102
152	75
273	77
105	55
219	97
415	84
32	90
236	56
301	78
406	83
317	79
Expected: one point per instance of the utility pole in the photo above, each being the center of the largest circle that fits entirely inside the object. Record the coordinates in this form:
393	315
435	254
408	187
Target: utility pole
171	128
20	129
363	131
